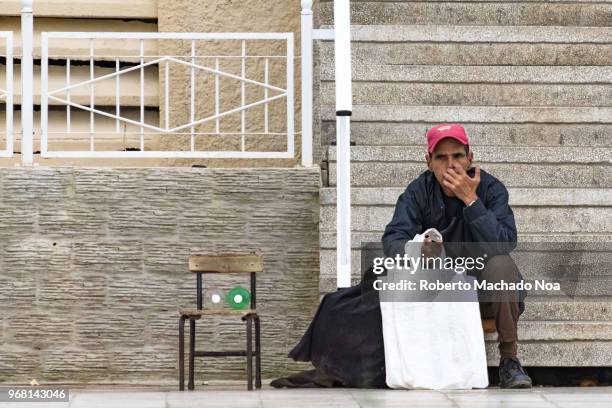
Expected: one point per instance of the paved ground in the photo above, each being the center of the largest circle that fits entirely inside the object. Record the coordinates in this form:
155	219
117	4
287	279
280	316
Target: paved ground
214	397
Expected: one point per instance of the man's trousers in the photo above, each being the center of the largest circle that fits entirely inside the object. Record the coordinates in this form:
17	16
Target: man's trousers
503	306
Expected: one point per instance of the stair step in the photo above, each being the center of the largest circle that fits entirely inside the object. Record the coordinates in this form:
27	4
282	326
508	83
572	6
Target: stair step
567	330
479	34
564	311
500	50
485	154
558	353
502	134
539	95
596	281
590	285
528	197
327	238
480	114
528	219
511	174
566	166
502	13
479	74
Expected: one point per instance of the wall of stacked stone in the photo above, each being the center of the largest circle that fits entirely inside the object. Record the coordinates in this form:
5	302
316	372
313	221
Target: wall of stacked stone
93	268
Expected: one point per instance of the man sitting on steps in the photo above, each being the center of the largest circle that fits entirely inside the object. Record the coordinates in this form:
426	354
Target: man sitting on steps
468	205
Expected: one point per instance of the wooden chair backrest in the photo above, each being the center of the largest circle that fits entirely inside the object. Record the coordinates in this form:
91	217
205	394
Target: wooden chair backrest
226	263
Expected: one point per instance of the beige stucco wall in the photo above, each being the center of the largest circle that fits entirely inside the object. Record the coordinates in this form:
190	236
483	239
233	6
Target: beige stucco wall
231	16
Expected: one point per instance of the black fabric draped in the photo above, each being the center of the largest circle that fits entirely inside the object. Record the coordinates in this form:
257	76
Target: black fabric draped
344	342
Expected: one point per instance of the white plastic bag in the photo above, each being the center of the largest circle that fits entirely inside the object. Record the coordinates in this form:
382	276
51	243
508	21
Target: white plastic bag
432	345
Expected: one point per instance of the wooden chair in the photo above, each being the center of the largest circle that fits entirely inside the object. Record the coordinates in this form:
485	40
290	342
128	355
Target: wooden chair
216	264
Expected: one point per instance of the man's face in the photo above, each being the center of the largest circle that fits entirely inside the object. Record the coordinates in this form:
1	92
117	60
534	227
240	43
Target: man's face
449	154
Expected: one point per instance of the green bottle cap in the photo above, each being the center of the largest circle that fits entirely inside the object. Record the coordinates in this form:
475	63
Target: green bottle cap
238	298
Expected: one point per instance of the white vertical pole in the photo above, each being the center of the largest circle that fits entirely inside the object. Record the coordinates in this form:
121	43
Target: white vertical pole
117	96
290	113
217	96
27	83
306	49
266	81
344	108
142	111
92	96
44	100
9	94
68	81
167	95
192	94
243	97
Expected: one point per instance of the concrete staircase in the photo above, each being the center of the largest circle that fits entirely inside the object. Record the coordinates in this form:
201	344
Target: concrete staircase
532	83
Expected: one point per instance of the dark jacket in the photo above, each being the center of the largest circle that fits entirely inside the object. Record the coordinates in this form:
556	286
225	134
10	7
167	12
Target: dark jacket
489	220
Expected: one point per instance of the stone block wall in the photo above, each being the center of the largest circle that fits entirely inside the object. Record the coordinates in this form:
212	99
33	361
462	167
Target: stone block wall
93	268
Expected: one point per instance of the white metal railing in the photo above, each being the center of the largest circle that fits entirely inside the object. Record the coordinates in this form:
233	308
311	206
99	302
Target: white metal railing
138	124
6	92
196	64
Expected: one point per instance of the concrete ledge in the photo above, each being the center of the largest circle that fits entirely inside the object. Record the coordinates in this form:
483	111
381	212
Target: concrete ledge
79	49
143	9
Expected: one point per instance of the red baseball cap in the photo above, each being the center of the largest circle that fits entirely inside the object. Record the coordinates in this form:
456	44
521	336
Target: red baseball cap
444	130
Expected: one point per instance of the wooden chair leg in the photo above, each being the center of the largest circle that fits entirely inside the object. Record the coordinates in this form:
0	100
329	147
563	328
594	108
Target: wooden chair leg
249	353
257	354
191	383
182	353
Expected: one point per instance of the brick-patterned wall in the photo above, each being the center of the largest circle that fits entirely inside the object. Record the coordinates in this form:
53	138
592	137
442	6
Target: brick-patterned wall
93	267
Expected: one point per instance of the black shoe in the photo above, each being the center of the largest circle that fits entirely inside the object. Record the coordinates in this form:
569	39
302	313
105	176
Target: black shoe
512	374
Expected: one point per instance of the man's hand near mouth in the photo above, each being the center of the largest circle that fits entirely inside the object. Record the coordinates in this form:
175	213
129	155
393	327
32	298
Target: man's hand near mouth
461	185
